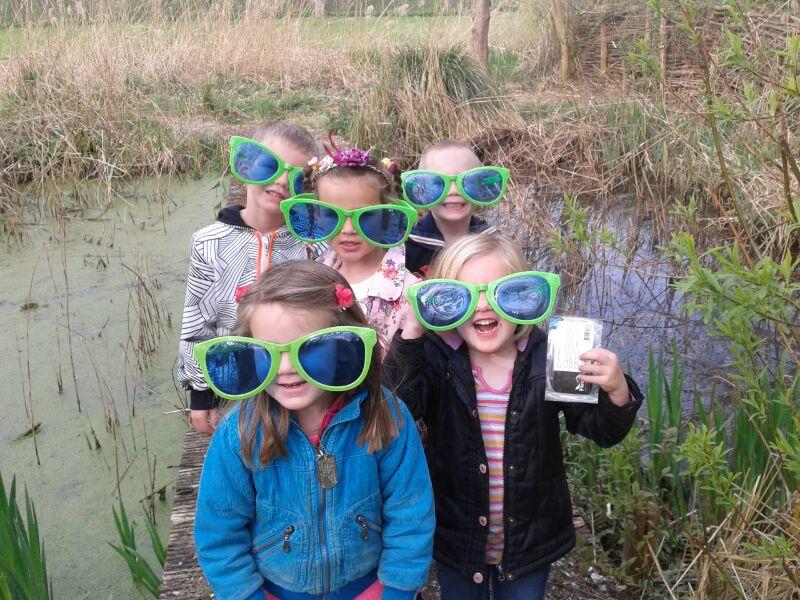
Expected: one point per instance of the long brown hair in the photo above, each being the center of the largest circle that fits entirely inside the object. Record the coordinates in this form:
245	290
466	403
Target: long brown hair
306	285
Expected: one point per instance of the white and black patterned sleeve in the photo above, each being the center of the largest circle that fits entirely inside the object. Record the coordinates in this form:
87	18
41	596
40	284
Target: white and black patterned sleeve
199	321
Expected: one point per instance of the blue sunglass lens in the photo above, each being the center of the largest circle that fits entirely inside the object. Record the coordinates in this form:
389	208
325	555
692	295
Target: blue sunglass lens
526	298
298	183
483	185
386	226
423	189
312	222
443	304
237	368
335	359
252	162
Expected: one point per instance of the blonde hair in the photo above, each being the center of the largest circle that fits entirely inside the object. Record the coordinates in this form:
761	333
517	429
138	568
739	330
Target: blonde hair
449	262
447	145
306	285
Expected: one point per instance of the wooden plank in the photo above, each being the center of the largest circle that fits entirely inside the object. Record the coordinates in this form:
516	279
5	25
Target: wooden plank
183	577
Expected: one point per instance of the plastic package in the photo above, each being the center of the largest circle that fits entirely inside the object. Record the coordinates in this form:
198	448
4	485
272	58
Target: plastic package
567	338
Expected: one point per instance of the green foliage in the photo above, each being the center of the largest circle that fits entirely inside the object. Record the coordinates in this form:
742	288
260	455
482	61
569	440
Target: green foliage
23	568
141	571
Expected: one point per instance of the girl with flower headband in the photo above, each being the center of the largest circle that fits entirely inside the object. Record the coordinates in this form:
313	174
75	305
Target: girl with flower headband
315	484
366	231
243	242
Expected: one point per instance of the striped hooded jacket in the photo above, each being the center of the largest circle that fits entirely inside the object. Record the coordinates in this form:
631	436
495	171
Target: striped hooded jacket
225	256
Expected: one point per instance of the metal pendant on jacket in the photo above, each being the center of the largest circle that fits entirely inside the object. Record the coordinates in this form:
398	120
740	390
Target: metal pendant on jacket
327	473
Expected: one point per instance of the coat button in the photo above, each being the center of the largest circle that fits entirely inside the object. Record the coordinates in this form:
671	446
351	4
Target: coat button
482	468
510	576
475	416
511	467
515	413
511	520
478	577
482	520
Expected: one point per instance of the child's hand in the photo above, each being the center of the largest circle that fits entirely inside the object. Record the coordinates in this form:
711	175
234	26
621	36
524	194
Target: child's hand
205	421
604	370
412	328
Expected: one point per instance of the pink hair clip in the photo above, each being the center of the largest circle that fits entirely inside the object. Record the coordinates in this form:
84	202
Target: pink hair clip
241	291
344	296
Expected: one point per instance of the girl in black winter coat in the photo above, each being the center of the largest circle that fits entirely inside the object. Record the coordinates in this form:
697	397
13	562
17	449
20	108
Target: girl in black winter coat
503	511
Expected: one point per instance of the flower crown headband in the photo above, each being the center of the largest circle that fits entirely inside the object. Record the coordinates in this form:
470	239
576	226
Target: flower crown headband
349	157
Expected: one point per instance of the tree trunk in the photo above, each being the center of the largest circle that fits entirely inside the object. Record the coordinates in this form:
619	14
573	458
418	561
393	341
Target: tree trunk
319	8
481	12
559	16
662	57
603	40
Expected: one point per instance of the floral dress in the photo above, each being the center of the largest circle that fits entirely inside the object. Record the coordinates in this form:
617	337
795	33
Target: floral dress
382	296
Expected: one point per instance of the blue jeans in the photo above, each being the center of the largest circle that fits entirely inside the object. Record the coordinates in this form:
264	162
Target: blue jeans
456	587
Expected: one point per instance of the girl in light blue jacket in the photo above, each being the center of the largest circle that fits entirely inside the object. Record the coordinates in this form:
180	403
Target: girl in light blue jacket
315	485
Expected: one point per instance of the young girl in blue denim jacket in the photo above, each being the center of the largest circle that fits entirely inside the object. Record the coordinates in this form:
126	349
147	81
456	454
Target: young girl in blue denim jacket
315	485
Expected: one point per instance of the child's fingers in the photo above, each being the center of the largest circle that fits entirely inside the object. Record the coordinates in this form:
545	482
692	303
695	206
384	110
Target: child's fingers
600	380
594	369
600	355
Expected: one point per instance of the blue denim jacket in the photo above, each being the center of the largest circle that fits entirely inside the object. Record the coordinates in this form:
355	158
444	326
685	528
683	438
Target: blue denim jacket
278	524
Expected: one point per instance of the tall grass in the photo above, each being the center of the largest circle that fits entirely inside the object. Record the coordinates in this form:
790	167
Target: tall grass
23	568
675	491
424	94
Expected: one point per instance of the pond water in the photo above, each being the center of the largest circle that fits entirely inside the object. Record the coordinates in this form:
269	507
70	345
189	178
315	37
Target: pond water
116	316
106	252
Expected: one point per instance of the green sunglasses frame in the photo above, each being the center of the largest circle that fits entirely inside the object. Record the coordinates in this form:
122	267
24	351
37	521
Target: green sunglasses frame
237	141
355	215
553	280
459	179
366	334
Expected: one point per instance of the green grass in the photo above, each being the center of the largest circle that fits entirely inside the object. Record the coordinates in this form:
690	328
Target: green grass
23	568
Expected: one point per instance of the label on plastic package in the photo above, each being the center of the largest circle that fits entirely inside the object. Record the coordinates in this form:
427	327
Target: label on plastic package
568	338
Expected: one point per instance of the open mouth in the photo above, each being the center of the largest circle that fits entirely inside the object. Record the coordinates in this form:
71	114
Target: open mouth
295	385
272	195
486	326
454	204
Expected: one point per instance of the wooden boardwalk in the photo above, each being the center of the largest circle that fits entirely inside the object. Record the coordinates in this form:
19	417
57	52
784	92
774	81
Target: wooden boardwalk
182	575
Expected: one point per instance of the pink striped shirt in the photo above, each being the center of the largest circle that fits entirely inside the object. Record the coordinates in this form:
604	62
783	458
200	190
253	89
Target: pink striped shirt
492	405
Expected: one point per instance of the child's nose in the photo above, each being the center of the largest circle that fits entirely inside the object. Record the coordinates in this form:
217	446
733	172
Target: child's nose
349	228
286	365
453	191
483	303
283	179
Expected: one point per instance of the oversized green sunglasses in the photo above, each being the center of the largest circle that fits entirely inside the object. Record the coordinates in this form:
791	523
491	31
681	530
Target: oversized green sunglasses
524	298
252	162
484	186
333	359
384	225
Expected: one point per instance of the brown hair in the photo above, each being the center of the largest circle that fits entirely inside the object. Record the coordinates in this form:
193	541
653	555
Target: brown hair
449	262
307	285
292	134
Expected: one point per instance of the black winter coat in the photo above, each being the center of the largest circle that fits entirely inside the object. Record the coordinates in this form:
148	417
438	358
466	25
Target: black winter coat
437	384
